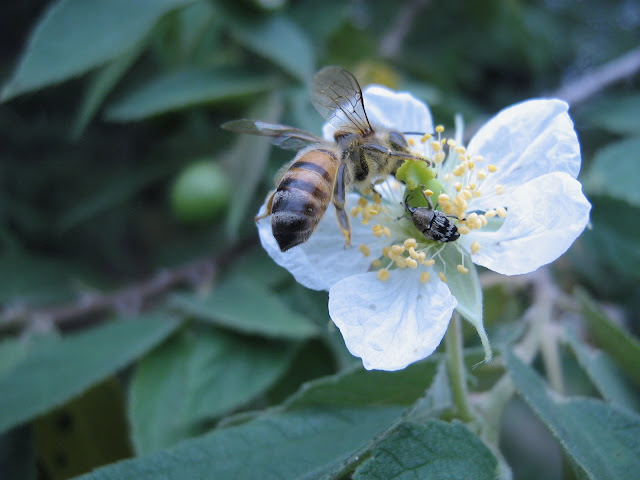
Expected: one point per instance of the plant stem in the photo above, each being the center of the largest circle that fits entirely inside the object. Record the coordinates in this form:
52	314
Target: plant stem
456	369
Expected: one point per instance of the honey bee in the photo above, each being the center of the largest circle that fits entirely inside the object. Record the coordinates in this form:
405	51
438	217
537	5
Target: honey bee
322	172
432	223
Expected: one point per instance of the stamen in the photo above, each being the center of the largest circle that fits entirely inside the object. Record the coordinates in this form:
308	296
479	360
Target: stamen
425	137
428	192
428	263
442	277
439	129
457	186
377	198
412	142
411	263
451	142
365	250
386	231
501	211
425	277
410	243
436	146
383	274
362	202
499	189
377	230
463	230
376	263
439	157
475	246
397	249
355	211
462	269
492	168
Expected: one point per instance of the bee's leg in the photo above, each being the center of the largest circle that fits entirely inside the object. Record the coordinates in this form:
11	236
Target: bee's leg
339	200
268	211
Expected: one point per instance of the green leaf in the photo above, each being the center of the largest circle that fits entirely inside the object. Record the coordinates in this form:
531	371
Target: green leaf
198	376
359	387
56	370
246	307
601	439
435	450
614	239
273	447
183	89
281	41
623	348
614	170
603	374
619	114
75	36
467	290
101	85
437	400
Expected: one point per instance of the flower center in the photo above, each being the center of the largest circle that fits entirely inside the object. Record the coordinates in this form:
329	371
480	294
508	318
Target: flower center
461	177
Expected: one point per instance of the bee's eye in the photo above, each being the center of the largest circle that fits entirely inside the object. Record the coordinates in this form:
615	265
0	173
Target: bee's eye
397	140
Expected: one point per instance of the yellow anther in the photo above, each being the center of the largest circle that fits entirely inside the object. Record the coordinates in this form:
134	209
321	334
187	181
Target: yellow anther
490	213
377	198
355	211
458	171
386	250
386	231
365	250
463	230
443	142
412	142
363	202
449	209
411	263
377	230
413	253
436	146
501	211
366	191
483	219
460	150
371	210
477	193
475	247
466	193
492	168
428	263
451	142
457	186
410	243
439	129
400	262
499	189
397	249
471	186
383	274
478	158
425	137
425	277
444	199
439	157
447	177
462	269
376	263
481	174
471	164
428	192
442	277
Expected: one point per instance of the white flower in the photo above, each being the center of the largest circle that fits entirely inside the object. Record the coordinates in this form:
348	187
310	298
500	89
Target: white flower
512	193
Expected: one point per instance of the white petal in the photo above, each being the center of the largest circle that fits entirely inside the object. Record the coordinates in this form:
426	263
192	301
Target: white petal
544	217
394	323
398	111
323	259
525	141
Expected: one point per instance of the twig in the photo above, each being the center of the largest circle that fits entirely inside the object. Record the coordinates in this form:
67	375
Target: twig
600	78
392	40
132	298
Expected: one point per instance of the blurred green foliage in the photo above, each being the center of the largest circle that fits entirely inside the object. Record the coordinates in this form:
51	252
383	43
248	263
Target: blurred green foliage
107	104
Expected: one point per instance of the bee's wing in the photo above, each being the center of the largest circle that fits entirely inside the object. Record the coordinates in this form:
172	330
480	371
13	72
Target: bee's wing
337	95
289	138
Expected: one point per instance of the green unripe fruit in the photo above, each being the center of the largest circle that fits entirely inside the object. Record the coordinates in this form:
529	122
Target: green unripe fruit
200	192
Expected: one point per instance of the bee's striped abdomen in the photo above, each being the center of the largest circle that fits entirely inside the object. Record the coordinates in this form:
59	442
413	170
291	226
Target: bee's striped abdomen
302	196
